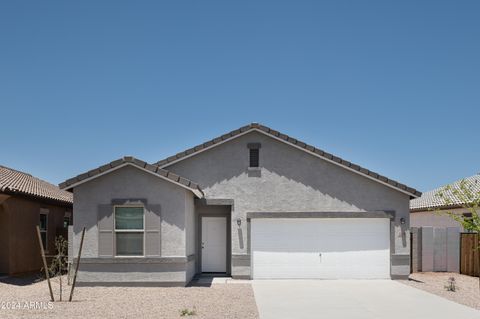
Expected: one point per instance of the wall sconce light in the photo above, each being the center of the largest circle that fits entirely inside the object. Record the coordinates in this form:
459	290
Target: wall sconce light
239	222
402	221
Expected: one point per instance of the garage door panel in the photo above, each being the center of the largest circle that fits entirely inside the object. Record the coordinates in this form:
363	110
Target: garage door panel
321	248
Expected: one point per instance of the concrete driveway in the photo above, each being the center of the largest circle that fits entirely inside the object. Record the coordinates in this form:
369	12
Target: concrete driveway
352	299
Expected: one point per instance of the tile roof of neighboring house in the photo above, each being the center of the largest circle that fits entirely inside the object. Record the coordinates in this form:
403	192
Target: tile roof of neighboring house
294	142
129	160
16	182
429	200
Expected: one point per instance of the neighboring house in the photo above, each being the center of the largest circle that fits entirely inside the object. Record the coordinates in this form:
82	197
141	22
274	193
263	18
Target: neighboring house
25	202
427	209
253	203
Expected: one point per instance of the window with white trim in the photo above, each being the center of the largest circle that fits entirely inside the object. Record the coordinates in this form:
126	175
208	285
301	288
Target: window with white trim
43	225
129	230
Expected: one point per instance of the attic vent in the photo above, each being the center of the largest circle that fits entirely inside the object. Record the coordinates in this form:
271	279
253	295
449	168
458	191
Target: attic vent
254	149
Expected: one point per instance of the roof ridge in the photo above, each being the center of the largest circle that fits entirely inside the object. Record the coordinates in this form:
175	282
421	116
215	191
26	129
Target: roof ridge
294	142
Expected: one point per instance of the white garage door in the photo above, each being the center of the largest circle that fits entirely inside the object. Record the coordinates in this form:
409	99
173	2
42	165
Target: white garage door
326	248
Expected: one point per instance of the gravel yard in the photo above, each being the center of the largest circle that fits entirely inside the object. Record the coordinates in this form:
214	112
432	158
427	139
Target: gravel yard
434	282
232	300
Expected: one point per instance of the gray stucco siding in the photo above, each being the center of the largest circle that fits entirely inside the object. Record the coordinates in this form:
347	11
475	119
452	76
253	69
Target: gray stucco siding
168	214
289	180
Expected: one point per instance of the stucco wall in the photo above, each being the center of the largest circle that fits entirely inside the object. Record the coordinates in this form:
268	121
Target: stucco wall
290	180
434	219
132	183
4	241
23	248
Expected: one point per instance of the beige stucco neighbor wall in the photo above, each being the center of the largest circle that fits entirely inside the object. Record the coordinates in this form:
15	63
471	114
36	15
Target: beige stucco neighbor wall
435	219
290	180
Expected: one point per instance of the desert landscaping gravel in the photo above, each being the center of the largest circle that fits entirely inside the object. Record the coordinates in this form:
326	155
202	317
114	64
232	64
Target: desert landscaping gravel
232	300
467	293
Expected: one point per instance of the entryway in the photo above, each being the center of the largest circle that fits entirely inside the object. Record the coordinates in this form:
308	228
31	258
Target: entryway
214	244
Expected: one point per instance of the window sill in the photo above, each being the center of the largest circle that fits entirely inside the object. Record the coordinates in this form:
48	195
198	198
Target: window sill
254	168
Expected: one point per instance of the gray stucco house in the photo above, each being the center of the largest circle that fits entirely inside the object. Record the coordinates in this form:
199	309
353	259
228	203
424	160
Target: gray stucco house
253	203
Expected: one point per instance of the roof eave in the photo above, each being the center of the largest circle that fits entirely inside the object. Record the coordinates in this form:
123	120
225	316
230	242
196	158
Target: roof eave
153	171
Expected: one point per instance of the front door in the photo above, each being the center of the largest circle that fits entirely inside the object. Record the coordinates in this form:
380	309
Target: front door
214	244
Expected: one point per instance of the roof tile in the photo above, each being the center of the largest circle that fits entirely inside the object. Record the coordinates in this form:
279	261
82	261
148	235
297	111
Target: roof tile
13	181
293	141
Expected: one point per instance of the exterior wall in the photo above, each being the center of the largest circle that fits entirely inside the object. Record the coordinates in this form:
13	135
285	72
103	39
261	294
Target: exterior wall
23	249
4	241
190	227
174	205
434	219
290	180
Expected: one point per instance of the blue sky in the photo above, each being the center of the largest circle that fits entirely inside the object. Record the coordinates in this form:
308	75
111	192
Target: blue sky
390	85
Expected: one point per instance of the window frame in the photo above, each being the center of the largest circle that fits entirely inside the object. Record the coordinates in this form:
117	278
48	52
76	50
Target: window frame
115	231
44	211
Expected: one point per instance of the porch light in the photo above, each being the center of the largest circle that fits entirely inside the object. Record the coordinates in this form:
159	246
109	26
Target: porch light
239	222
402	221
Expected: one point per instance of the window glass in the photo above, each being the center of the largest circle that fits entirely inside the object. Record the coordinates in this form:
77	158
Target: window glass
43	222
43	235
254	157
129	231
129	244
129	218
66	222
43	225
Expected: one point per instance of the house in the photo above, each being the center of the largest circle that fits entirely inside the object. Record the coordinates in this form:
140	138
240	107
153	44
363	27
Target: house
25	202
252	203
427	209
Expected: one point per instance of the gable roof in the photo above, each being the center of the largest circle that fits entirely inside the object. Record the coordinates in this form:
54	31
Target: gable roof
132	161
292	142
429	200
16	182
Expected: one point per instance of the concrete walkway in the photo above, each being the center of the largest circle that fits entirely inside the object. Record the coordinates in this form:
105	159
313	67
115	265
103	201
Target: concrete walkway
352	299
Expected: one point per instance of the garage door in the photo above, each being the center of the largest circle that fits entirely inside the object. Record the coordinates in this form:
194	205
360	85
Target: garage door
324	248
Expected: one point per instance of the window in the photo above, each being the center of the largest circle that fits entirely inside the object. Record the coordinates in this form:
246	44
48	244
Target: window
254	149
254	157
43	225
66	222
129	230
67	219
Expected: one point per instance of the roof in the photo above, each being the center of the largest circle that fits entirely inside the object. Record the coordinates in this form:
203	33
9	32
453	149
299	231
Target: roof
132	161
429	200
295	143
15	182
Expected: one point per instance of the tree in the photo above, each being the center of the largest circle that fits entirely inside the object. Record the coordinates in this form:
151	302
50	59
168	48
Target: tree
58	266
466	194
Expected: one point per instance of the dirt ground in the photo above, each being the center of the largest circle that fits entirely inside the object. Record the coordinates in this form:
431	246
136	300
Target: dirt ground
467	293
230	300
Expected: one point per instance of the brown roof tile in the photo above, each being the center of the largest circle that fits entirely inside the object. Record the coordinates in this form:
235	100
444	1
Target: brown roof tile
16	182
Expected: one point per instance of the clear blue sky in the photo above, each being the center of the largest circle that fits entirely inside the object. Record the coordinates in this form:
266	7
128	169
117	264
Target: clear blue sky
390	85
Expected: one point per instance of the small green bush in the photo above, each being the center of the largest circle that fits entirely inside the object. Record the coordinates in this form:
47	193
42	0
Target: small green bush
187	312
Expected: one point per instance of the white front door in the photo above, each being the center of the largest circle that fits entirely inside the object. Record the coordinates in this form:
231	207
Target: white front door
323	248
214	244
